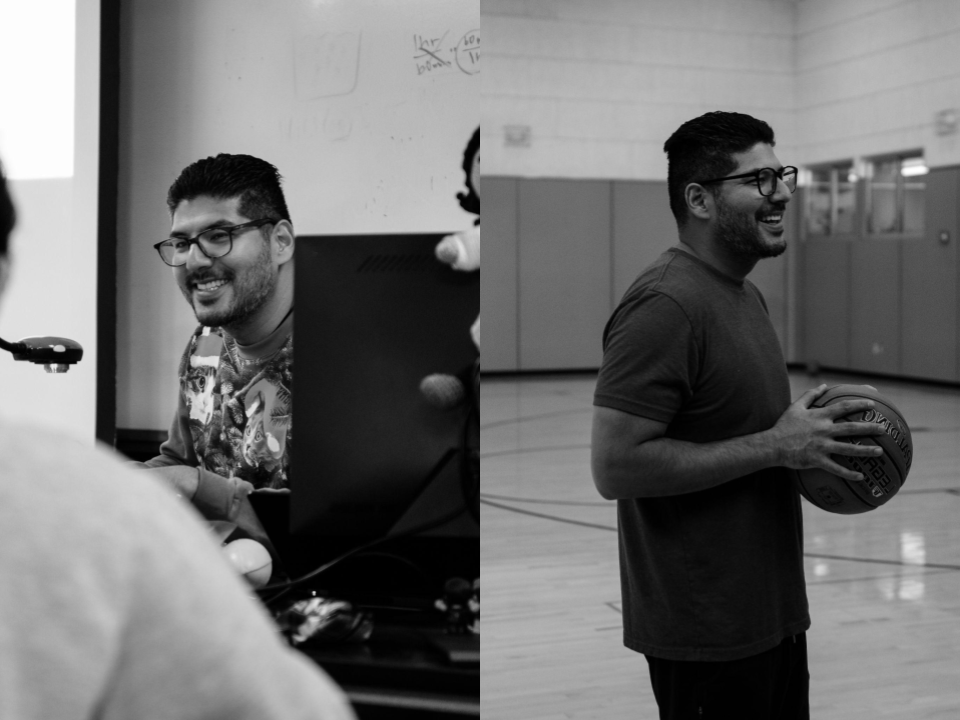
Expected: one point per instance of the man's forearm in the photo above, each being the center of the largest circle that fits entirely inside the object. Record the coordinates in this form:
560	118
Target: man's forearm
182	478
663	466
214	496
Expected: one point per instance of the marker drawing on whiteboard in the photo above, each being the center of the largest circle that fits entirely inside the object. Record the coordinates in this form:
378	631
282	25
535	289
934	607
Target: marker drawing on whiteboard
428	53
337	125
326	65
431	57
467	53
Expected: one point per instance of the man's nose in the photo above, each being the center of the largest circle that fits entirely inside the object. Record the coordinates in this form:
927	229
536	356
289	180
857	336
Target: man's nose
196	258
782	193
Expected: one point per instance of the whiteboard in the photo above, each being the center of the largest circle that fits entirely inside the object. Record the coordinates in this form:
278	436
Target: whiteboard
365	106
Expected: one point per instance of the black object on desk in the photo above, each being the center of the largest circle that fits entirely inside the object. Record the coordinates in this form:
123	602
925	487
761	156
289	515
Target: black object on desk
377	466
409	667
401	672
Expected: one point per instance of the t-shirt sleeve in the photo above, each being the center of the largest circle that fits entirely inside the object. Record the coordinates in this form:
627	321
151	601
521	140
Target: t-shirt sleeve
177	449
650	358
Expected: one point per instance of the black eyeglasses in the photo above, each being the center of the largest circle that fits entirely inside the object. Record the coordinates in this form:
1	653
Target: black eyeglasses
214	242
766	179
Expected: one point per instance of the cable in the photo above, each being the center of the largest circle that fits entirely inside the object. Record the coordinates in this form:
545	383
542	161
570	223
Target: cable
470	486
15	348
285	587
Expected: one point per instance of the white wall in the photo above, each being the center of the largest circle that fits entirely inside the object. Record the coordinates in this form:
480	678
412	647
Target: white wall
336	94
603	83
54	247
871	77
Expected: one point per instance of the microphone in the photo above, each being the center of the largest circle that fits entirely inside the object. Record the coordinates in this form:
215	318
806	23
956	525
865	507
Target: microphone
56	354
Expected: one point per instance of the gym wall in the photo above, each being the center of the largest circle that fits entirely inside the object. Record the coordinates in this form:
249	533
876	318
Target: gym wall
587	92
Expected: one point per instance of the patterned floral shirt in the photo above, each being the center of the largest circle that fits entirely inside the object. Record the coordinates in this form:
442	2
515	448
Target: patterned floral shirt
233	414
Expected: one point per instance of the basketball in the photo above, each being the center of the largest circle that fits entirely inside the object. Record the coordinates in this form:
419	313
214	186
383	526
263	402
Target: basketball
884	475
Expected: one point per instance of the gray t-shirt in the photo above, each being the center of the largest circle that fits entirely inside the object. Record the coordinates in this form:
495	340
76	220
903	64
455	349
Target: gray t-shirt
717	574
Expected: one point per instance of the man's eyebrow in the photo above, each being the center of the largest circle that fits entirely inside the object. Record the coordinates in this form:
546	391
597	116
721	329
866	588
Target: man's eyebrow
215	224
754	172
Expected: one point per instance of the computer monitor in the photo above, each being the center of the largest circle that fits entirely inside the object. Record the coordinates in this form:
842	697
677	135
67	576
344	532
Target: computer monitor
370	455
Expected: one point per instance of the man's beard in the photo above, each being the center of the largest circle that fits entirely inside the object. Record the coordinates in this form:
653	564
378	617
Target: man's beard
739	232
250	291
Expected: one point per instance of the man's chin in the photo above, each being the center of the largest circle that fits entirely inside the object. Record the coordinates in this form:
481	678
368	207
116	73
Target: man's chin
774	249
210	316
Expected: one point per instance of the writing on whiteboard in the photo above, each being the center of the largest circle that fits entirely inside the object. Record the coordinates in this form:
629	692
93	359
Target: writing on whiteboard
468	53
327	65
434	54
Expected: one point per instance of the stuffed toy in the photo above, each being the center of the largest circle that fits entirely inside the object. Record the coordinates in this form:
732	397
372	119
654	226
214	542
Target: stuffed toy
461	251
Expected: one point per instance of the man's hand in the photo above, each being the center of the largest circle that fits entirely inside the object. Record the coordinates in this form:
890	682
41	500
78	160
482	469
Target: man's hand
182	478
806	437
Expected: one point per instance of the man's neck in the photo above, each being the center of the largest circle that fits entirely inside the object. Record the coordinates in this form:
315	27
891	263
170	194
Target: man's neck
265	322
732	266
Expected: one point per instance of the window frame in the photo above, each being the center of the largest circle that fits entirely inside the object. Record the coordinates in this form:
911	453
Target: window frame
835	169
900	195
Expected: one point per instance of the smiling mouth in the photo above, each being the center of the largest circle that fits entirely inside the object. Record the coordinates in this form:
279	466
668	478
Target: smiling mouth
209	285
772	218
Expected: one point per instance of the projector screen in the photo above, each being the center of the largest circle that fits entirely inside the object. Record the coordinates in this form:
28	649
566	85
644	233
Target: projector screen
37	49
49	145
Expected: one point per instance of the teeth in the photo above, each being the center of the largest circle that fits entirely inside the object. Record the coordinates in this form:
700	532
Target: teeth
771	218
212	285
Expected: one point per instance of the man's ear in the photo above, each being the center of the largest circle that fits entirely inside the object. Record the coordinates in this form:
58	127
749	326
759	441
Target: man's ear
285	239
700	202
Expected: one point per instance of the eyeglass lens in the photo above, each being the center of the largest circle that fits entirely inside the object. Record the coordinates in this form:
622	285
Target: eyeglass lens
214	243
768	180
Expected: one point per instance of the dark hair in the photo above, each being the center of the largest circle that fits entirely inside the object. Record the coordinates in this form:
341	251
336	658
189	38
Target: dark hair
256	182
470	201
8	215
701	149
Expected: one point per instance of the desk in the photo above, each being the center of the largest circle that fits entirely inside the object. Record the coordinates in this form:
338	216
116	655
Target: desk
402	673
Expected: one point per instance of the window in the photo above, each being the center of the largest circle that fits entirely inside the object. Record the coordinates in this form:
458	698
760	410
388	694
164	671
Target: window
831	199
895	188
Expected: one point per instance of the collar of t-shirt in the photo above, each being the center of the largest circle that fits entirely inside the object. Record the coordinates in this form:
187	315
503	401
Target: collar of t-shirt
270	344
722	276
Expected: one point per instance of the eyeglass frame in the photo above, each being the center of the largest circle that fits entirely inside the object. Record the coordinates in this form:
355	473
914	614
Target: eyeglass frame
756	176
195	240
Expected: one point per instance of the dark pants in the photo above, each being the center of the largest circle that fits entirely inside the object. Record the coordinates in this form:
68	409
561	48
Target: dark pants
773	685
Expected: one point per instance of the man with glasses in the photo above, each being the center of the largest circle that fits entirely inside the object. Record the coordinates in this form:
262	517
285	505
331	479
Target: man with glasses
231	249
693	435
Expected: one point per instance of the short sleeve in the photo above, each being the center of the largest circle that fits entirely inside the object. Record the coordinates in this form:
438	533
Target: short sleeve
650	358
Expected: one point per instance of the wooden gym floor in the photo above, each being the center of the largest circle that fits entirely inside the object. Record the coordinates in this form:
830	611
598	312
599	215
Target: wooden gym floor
884	587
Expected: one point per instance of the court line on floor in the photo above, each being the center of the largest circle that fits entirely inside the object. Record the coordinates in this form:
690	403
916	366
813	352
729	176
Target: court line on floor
537	501
928	491
875	561
609	503
529	450
870	578
555	518
821	556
